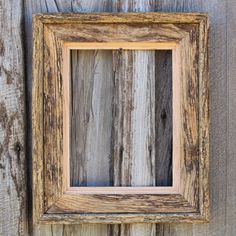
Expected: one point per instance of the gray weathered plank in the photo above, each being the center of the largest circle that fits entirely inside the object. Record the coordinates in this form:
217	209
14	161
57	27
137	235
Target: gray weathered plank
218	118
91	117
58	6
136	6
231	161
134	108
217	12
13	208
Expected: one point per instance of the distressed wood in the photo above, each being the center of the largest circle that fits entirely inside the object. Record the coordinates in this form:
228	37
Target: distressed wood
127	203
179	5
13	170
134	111
91	126
55	6
189	137
37	148
122	219
219	110
135	229
119	18
163	119
52	120
186	139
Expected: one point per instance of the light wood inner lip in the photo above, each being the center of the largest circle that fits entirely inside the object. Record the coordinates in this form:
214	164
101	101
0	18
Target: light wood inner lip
120	45
67	47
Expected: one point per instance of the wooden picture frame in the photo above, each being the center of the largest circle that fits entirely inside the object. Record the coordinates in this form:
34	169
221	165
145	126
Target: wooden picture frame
54	200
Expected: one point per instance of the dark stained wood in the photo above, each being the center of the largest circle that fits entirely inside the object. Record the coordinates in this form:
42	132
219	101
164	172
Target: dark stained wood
163	119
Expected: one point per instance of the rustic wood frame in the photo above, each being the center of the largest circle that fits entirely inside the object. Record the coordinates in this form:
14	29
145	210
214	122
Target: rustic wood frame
53	200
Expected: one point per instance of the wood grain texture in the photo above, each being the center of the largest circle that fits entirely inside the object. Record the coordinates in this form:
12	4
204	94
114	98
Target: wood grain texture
91	118
55	6
52	119
124	218
37	148
135	229
231	86
95	6
13	197
219	108
88	32
134	112
138	117
189	124
126	203
119	18
163	119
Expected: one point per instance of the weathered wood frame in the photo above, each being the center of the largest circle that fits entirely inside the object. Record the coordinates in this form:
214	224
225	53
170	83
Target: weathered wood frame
186	34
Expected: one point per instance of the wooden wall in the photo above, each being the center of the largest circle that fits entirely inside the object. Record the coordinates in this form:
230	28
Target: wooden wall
15	120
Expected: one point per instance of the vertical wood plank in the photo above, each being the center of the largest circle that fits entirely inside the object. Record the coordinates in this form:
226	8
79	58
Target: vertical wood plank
141	61
163	119
58	6
231	161
218	116
91	117
134	100
13	208
217	11
137	229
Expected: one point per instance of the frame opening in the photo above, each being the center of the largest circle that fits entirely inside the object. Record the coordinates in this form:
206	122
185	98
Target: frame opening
112	66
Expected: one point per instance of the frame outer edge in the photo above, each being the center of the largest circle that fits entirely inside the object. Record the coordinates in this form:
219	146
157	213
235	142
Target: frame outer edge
37	120
37	105
204	201
122	218
131	17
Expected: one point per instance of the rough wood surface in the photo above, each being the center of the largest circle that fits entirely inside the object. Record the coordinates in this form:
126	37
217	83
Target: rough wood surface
134	112
139	203
218	104
134	118
52	120
91	118
222	223
137	229
118	32
163	124
13	203
38	133
231	163
119	18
